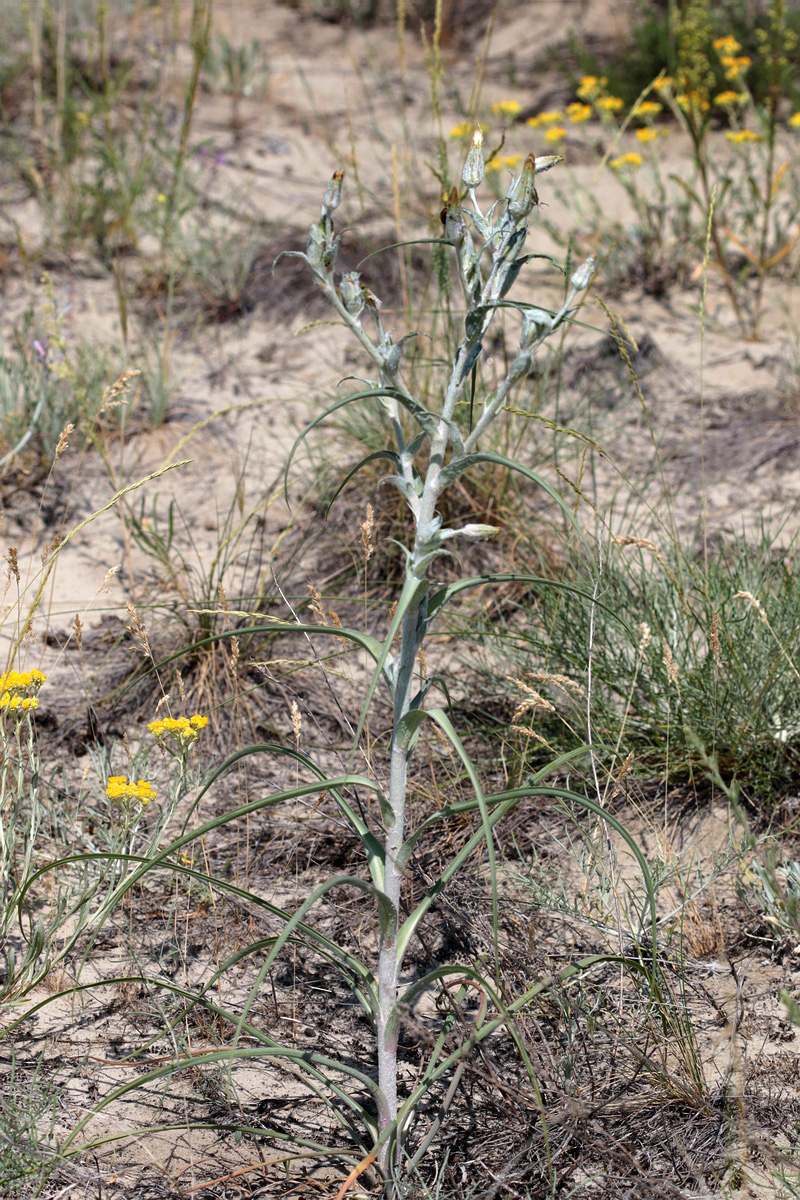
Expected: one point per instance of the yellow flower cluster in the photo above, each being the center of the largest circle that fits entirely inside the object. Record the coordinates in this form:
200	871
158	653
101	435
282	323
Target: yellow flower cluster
734	66
647	108
507	108
120	790
794	120
742	135
631	159
578	112
610	103
726	45
590	86
497	163
726	99
19	690
545	118
648	134
556	134
183	730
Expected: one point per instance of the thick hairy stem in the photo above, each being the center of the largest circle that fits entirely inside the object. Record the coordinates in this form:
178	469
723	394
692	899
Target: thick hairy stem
389	962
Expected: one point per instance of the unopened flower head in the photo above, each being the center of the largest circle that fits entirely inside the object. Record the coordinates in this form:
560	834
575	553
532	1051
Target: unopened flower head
523	196
582	277
181	731
352	293
545	161
333	193
474	168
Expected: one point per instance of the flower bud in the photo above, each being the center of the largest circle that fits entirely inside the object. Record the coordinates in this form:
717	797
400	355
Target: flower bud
333	193
545	161
352	293
391	355
453	221
521	365
523	197
474	168
478	531
582	277
536	323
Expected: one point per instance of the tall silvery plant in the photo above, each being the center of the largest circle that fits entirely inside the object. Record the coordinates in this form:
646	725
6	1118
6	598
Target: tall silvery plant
489	252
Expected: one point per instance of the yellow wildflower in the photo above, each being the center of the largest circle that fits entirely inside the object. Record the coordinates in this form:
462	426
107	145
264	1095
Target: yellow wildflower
579	112
19	690
507	108
742	135
182	730
664	83
631	159
589	86
648	108
610	103
648	134
734	66
462	130
726	99
119	789
556	134
692	102
507	160
546	118
726	45
794	120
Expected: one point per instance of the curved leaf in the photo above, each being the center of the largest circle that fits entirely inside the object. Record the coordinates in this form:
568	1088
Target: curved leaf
374	850
390	454
421	414
439	598
459	465
386	915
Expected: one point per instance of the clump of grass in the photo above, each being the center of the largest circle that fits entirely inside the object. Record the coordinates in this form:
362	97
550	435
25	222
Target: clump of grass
49	379
676	654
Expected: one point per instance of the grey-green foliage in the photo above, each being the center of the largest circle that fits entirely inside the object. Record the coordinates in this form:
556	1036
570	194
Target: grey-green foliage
241	70
28	1115
45	384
